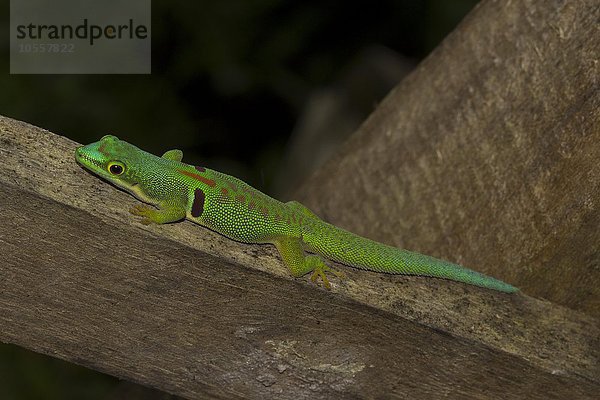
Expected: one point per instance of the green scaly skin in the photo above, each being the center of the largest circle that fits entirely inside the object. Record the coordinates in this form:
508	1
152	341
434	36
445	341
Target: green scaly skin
235	209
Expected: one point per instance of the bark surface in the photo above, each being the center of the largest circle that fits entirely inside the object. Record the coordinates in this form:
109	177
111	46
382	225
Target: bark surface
488	154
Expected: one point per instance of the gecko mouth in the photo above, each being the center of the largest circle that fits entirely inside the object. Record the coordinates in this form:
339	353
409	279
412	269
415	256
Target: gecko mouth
84	158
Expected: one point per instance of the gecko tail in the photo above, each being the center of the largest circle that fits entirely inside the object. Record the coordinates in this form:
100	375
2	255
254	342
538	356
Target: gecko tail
399	261
362	253
420	264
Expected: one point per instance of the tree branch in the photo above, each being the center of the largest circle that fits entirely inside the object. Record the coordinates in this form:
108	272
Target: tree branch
182	309
487	155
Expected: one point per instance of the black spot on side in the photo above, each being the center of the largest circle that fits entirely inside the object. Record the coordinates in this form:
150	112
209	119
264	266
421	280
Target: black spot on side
198	204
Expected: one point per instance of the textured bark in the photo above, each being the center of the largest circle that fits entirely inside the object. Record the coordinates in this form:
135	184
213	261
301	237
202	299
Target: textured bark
182	309
488	154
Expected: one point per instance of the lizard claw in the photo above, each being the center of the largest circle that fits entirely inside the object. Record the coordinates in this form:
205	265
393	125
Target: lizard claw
320	272
144	211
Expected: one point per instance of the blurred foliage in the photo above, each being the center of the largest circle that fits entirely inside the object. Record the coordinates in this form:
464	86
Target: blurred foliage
228	81
28	375
228	77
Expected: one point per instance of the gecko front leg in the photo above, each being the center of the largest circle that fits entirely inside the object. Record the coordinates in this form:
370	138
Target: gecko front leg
164	214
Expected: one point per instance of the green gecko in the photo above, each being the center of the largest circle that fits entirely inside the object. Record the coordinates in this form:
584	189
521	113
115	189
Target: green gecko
236	210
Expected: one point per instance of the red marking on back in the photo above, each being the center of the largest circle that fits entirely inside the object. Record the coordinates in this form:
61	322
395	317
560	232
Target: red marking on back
251	205
232	186
223	196
200	178
240	198
200	169
264	211
278	217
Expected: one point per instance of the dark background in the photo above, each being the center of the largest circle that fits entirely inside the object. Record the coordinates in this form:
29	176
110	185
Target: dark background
231	81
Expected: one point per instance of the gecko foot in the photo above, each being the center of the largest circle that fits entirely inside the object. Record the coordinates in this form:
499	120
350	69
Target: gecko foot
320	272
144	211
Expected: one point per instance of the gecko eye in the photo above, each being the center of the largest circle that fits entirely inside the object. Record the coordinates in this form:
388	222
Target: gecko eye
116	168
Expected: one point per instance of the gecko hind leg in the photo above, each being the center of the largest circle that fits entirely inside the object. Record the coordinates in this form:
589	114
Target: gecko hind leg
300	264
320	270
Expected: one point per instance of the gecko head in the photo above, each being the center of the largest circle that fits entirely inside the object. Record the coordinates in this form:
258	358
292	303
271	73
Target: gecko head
112	159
